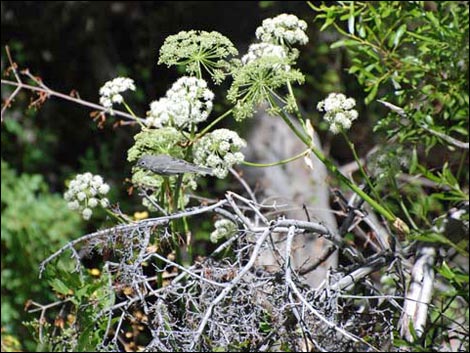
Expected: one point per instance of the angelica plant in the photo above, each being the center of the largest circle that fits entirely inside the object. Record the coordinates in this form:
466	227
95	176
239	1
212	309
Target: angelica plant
181	124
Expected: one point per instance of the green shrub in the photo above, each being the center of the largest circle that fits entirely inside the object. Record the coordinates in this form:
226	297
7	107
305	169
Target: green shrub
34	223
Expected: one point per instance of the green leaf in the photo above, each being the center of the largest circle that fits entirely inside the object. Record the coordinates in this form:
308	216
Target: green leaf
362	31
344	43
445	271
327	23
372	94
433	19
351	19
398	34
82	292
59	286
87	337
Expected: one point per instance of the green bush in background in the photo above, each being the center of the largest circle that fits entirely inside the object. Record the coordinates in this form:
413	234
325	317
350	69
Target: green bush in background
34	223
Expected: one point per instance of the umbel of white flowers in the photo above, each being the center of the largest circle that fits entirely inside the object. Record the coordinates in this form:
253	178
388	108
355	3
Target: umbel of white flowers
86	192
110	92
219	150
259	50
187	103
339	112
284	29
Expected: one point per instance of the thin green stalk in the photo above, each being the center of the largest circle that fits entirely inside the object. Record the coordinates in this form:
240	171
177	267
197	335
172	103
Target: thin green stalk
165	189
359	164
216	121
332	168
188	245
182	224
199	71
284	161
119	218
407	214
296	106
402	205
131	112
291	93
289	123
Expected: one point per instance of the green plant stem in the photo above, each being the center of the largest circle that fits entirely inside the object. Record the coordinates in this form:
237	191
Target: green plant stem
199	71
291	93
407	214
216	121
131	112
188	245
284	161
183	224
296	106
393	181
359	164
289	123
165	189
114	215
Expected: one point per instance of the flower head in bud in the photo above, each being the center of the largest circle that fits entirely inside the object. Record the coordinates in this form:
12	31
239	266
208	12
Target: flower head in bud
283	29
85	192
219	150
339	112
110	92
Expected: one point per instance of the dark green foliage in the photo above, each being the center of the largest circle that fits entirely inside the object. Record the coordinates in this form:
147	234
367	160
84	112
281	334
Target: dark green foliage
415	55
34	223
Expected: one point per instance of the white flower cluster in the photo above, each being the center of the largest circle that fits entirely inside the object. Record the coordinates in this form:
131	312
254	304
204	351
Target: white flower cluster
185	104
339	112
219	150
159	114
223	228
110	92
86	192
260	50
283	29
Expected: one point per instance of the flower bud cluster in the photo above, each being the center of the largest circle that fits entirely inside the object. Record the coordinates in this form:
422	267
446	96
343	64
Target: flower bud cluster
187	103
110	92
85	193
283	29
224	228
339	112
259	50
219	150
